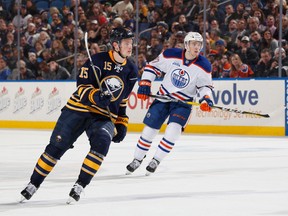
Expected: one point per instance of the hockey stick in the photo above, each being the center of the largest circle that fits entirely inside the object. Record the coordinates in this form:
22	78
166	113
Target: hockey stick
96	76
215	107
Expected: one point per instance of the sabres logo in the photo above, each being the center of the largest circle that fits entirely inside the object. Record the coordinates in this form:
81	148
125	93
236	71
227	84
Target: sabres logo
114	85
180	78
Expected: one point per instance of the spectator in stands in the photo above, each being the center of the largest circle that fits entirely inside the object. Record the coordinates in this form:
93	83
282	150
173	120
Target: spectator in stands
284	29
185	24
32	64
103	38
262	19
230	14
120	6
58	51
263	66
221	48
4	69
128	21
256	41
9	57
94	49
240	9
253	25
45	39
248	54
166	8
225	67
39	47
19	20
53	71
154	49
31	34
23	74
270	23
239	69
241	27
163	31
274	72
268	41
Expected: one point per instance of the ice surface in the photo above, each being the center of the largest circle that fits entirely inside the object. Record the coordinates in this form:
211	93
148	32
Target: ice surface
204	175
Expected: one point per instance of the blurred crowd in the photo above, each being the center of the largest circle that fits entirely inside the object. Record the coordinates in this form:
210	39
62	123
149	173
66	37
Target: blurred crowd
242	37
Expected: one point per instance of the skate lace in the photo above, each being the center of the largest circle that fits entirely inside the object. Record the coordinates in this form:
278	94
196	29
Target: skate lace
135	163
153	164
78	189
31	189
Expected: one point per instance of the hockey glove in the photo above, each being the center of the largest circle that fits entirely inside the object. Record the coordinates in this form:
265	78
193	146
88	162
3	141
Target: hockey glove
144	89
102	98
121	126
206	104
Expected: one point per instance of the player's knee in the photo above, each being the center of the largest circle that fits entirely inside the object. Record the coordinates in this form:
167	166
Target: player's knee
100	137
54	152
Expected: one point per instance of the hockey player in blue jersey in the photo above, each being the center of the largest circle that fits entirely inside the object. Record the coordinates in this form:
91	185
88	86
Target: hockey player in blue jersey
186	74
92	109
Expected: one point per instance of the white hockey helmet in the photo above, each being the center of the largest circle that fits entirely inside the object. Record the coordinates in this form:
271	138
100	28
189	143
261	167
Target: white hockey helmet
193	36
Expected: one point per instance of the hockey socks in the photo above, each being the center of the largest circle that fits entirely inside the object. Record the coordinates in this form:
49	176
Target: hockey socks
44	166
90	166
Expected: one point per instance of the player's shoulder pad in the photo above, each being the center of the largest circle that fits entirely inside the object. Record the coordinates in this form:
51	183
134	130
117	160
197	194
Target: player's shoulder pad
204	64
173	53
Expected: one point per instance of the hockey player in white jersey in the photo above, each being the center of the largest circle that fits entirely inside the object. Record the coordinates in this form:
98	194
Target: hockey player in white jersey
186	74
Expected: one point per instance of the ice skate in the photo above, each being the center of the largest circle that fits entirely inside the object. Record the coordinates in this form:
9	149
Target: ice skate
28	192
152	166
133	166
75	192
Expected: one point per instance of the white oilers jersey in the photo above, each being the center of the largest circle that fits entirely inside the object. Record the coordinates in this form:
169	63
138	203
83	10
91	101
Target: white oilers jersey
183	78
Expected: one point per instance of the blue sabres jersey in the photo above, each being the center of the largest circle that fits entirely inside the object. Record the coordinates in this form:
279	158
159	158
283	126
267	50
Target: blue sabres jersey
183	78
118	79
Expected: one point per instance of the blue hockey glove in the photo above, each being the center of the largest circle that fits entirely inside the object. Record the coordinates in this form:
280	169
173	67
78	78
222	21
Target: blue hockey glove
121	126
144	89
206	104
102	98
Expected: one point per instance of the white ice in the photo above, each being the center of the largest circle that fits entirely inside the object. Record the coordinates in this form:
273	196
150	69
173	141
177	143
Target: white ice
204	175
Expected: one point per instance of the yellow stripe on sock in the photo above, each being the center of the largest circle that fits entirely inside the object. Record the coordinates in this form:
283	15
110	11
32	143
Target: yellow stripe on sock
44	165
91	164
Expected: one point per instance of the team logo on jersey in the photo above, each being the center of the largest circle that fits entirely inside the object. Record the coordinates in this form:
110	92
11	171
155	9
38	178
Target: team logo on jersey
118	68
114	85
180	78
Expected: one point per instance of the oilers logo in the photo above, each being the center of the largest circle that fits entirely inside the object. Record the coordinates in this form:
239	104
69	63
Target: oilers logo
180	78
114	85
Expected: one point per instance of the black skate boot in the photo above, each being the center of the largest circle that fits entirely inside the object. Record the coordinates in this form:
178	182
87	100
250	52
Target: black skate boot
28	192
152	166
133	166
75	192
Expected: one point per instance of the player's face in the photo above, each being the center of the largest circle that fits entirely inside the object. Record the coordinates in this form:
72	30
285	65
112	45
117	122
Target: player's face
194	47
126	47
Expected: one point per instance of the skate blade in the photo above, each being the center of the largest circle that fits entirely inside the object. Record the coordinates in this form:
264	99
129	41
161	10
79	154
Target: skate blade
128	172
148	173
22	199
70	201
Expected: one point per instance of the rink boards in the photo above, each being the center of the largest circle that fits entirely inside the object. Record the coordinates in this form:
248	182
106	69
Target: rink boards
38	105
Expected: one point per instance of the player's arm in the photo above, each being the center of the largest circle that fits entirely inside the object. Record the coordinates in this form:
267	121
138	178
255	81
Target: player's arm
205	88
88	90
151	71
